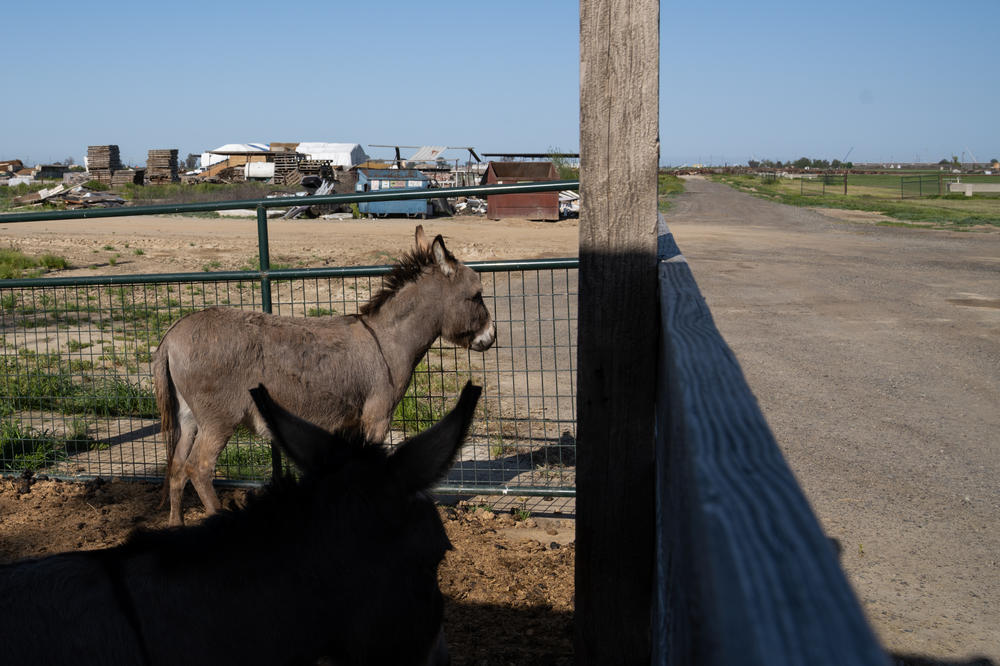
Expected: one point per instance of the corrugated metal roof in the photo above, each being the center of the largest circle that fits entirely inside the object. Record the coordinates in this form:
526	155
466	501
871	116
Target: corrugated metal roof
427	153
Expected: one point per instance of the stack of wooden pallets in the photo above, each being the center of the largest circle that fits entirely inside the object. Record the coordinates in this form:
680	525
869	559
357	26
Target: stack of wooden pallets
102	162
286	168
161	166
127	177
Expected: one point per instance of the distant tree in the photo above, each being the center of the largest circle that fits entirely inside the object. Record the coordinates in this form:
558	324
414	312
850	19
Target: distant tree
802	163
994	161
69	161
945	162
836	164
848	165
820	164
566	170
753	164
954	161
191	161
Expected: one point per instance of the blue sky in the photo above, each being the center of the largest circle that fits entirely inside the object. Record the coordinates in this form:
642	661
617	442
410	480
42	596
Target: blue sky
891	80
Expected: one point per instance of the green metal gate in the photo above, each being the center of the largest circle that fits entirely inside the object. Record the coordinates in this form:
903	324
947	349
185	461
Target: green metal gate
76	396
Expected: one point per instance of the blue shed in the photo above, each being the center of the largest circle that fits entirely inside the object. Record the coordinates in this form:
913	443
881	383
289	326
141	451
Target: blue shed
381	180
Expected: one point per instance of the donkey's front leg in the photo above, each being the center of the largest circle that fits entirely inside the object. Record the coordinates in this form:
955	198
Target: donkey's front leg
376	416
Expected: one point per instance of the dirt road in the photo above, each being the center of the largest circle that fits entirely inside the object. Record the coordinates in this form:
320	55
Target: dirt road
875	355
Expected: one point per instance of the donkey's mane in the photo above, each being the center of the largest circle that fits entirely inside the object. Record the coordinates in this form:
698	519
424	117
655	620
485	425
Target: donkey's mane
406	270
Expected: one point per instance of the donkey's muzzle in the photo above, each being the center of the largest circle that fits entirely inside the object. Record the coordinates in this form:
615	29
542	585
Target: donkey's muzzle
484	340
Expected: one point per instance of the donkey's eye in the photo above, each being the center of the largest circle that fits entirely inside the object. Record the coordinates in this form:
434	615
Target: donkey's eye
478	298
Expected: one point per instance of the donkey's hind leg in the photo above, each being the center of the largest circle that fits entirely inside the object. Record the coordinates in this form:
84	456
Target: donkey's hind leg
178	472
200	466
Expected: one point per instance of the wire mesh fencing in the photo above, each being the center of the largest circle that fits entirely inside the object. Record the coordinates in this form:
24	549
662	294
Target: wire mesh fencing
921	185
76	392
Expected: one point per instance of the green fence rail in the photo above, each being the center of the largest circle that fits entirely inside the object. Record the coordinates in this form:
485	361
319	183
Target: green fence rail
76	389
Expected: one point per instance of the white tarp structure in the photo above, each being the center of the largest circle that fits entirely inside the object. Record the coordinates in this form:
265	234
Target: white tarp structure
427	154
345	155
221	153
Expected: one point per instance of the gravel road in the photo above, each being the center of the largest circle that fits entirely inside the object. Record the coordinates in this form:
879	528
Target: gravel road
874	352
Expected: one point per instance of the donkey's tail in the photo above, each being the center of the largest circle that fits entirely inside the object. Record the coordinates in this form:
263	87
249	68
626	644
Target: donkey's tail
166	403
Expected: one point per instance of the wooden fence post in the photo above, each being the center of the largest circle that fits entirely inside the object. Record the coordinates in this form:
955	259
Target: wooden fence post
618	329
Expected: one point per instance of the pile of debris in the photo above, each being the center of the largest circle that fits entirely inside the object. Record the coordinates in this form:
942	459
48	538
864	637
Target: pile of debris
569	203
469	206
102	162
161	166
72	197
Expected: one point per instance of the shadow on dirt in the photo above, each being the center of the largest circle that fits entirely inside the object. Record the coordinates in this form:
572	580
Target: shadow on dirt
915	660
492	634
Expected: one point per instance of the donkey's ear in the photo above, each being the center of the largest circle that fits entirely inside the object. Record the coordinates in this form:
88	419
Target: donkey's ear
442	257
423	244
424	459
306	444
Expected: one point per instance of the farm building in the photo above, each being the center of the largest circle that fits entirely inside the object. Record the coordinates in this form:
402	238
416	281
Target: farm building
222	153
537	206
380	180
344	155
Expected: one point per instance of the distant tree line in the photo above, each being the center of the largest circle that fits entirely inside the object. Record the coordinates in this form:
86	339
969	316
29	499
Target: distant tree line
801	163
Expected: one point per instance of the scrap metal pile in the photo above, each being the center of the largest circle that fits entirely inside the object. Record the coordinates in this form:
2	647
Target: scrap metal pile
71	197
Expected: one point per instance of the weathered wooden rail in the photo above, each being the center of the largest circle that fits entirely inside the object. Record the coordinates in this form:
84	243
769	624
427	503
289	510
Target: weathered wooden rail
744	574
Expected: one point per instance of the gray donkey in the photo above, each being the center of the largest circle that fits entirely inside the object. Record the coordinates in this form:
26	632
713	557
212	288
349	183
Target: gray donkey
346	372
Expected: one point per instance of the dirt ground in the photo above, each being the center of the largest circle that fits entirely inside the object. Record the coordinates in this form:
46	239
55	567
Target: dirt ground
175	244
874	352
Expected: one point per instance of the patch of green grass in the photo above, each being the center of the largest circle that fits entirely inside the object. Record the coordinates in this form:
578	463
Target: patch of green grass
667	186
15	264
27	448
253	264
320	312
138	252
53	262
179	193
111	396
211	266
46	381
424	403
936	212
245	461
